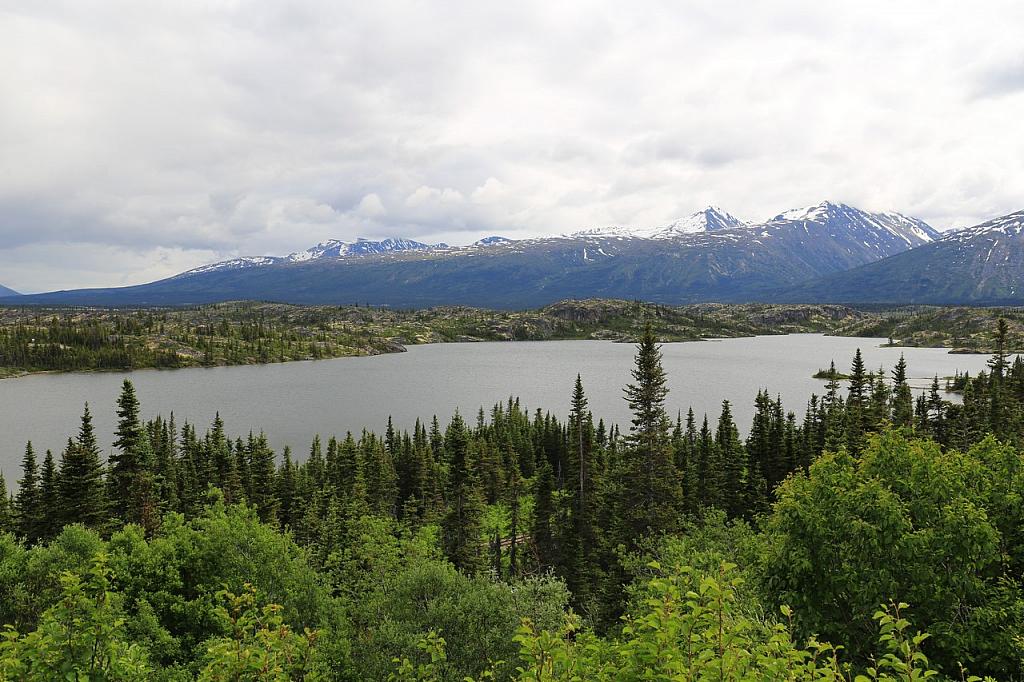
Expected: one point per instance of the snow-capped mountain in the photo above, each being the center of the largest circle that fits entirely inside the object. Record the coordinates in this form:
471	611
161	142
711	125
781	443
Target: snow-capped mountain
912	231
983	264
710	219
709	256
335	248
332	249
491	241
1009	226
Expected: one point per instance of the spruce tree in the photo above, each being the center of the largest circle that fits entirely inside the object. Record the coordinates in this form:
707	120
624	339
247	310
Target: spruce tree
263	495
936	413
130	481
27	510
82	488
833	414
49	497
856	404
379	475
514	493
462	526
902	398
6	507
651	500
582	534
286	489
998	365
545	541
708	470
739	483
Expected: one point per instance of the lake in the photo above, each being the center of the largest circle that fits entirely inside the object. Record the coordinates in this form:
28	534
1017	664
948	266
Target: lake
293	401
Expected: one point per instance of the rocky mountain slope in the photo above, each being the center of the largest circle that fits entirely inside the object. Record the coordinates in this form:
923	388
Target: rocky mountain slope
977	265
706	257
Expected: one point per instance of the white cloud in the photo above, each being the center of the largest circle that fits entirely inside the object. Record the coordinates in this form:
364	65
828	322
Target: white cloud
199	130
371	206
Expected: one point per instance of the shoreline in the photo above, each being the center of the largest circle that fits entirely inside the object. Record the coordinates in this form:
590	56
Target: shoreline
399	345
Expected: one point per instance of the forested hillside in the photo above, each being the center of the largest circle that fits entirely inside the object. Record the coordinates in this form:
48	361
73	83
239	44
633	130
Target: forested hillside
68	339
516	546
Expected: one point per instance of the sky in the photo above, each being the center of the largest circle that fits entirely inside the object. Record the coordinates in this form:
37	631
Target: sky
139	139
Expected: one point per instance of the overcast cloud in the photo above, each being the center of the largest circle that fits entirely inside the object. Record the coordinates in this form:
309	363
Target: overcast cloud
138	139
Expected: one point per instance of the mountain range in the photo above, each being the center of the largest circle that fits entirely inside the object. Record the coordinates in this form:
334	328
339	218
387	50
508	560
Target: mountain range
5	291
826	252
983	264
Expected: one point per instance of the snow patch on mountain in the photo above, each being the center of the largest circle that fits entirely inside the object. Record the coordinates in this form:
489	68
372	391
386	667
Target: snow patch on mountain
710	219
336	248
235	264
1010	225
491	241
911	231
332	249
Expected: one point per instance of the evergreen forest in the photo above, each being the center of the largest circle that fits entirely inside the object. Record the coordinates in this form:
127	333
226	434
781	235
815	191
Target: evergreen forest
63	339
871	534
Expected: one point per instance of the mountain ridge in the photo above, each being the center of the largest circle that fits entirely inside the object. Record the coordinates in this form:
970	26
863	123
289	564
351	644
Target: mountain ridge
713	256
981	264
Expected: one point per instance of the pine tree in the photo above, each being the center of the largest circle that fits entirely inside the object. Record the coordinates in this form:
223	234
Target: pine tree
581	531
708	469
49	497
27	509
462	526
856	404
163	434
83	496
691	485
998	409
263	495
833	414
936	413
130	480
286	489
651	499
759	442
6	507
902	398
514	493
379	475
542	533
738	482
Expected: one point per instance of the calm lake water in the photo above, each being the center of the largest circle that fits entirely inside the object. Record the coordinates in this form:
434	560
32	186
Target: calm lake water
291	402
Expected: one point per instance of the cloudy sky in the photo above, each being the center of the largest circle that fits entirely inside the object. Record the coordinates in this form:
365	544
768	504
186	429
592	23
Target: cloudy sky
138	139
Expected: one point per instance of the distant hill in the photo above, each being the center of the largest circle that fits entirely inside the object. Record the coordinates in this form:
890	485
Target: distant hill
980	265
5	291
708	256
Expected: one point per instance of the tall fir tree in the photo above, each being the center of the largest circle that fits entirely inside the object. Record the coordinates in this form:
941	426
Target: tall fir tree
738	481
131	484
6	507
651	493
902	397
462	526
581	543
263	495
542	532
82	488
998	365
28	512
49	497
857	404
